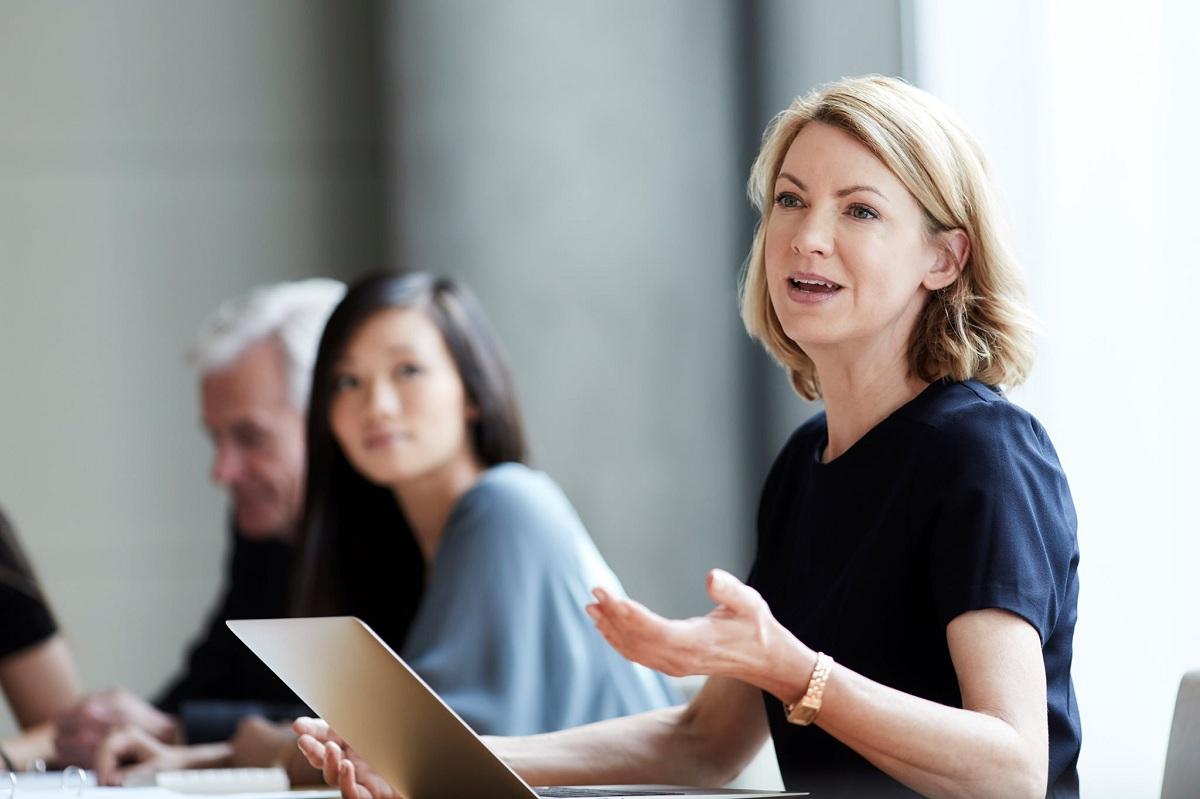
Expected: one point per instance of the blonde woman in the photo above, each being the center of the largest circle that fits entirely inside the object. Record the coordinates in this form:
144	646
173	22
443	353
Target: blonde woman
908	623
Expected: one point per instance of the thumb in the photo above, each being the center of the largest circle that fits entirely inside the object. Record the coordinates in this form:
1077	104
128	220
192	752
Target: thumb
725	589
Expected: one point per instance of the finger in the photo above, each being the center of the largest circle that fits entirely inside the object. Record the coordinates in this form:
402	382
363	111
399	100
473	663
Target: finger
145	767
312	749
108	756
725	589
309	726
349	784
648	653
333	763
606	602
634	621
615	641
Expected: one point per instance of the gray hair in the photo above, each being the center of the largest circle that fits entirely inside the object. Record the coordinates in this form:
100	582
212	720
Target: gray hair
293	313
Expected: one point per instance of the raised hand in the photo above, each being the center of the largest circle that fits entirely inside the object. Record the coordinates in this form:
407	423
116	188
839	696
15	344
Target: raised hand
738	639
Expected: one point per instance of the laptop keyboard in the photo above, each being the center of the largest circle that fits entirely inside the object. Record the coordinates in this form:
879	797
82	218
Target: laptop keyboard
582	793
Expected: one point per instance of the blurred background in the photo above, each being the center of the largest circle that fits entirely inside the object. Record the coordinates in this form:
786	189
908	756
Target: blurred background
582	166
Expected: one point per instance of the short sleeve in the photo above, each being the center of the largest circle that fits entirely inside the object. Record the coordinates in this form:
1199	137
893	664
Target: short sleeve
1003	523
25	619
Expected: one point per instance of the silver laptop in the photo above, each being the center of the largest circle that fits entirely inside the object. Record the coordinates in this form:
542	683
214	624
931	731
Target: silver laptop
342	670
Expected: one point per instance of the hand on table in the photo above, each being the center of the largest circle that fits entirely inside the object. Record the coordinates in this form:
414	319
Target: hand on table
258	743
132	750
338	763
80	730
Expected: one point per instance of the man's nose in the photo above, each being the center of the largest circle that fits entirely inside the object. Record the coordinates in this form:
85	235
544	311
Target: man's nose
227	465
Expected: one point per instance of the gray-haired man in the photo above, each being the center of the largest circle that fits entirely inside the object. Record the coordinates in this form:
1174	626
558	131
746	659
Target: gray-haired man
254	356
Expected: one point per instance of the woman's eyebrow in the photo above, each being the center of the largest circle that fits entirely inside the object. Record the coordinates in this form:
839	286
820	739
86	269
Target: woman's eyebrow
840	192
799	183
860	187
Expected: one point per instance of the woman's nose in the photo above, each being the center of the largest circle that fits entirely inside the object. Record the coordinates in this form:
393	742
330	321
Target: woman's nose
813	235
382	397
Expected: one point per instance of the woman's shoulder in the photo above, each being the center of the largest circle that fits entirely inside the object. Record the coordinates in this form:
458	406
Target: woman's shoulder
971	413
516	487
513	502
979	435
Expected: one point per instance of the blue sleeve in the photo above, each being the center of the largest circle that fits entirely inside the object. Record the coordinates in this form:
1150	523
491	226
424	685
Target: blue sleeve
493	600
1003	526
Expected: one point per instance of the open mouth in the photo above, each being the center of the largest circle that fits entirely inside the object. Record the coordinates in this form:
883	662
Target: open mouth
812	285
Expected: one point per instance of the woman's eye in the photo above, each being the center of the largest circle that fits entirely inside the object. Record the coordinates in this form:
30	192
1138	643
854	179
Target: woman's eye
406	370
785	199
862	212
344	383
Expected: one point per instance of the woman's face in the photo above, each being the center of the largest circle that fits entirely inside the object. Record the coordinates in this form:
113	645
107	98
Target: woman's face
399	410
848	262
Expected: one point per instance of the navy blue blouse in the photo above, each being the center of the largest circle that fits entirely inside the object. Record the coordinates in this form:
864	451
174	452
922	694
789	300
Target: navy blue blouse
956	502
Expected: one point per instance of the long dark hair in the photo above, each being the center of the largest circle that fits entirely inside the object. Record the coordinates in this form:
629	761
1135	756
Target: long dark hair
341	507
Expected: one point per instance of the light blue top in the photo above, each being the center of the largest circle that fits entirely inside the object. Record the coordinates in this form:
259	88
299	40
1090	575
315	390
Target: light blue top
501	633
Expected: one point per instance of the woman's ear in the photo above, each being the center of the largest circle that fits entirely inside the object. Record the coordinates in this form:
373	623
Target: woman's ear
952	257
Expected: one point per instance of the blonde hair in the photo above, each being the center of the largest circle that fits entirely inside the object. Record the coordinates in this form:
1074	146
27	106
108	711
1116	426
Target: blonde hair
978	326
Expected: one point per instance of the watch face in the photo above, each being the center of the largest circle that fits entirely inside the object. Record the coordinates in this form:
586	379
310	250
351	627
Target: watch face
803	712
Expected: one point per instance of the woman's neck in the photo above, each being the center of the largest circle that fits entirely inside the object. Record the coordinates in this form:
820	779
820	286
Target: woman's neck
428	501
860	393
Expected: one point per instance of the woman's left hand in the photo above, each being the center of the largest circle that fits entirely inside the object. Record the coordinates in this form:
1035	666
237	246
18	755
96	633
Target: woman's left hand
739	638
341	767
131	750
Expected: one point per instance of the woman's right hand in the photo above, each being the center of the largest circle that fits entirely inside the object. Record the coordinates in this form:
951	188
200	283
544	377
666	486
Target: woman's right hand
338	763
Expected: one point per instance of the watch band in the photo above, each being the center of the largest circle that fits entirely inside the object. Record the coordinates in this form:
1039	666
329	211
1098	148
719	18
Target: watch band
805	711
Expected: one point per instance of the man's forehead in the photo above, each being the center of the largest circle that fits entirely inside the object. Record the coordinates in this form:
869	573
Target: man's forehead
253	387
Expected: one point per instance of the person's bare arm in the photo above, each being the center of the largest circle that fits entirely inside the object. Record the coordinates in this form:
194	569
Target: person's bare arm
995	745
39	682
707	742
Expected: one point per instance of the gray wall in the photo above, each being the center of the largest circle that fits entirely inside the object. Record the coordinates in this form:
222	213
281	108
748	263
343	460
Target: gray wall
155	157
582	165
572	163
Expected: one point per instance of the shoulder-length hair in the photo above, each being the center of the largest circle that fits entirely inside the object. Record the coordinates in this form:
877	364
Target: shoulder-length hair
339	502
978	326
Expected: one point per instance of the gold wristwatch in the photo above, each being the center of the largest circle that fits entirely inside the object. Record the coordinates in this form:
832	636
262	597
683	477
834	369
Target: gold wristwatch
805	711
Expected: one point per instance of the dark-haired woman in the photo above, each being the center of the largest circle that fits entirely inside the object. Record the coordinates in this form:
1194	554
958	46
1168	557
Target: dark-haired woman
422	519
36	671
470	564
